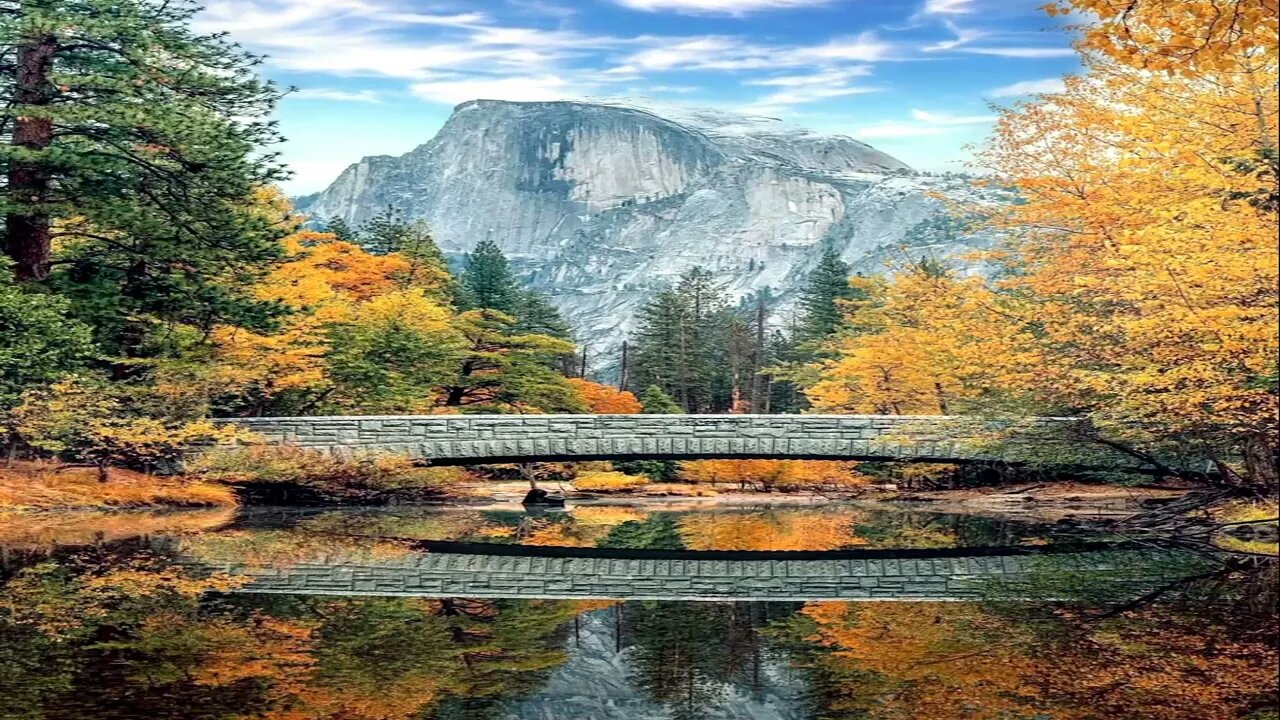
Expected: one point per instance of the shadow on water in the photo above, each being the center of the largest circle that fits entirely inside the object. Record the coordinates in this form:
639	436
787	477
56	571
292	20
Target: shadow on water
116	627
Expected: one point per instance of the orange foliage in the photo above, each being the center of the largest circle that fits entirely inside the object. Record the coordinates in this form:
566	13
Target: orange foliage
790	530
605	399
938	661
327	282
608	481
774	473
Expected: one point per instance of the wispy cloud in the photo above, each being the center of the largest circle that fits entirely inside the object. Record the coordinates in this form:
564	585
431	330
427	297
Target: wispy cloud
947	7
718	7
944	119
365	96
533	88
1029	87
922	123
1021	52
963	36
728	53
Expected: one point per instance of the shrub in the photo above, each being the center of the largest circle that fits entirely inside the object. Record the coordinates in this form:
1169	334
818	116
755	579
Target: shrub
88	420
329	475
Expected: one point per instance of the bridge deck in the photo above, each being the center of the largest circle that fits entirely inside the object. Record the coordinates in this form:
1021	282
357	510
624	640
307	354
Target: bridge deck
453	439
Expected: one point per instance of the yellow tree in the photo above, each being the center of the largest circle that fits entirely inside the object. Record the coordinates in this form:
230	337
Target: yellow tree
923	343
1146	263
1139	285
322	284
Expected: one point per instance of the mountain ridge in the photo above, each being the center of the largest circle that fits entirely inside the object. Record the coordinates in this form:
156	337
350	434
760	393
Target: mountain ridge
600	205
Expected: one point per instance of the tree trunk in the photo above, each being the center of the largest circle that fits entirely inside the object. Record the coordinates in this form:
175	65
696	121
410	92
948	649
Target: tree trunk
28	233
757	381
1260	463
622	375
11	451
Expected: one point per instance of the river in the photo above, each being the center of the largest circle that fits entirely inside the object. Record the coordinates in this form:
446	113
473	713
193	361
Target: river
636	612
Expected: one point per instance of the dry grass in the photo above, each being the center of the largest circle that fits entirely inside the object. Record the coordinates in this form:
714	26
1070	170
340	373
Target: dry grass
601	481
43	486
1242	511
681	489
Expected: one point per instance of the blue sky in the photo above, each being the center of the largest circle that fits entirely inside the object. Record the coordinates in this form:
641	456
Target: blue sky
912	77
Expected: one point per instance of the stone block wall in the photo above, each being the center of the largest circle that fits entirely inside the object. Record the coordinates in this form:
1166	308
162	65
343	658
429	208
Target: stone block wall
480	438
498	576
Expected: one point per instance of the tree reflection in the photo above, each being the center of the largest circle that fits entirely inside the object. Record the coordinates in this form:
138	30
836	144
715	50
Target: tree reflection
103	635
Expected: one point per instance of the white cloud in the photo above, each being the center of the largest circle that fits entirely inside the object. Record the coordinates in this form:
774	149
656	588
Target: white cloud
366	96
947	119
866	47
963	36
730	54
890	129
718	7
828	77
1021	52
535	88
923	123
1029	87
947	7
803	89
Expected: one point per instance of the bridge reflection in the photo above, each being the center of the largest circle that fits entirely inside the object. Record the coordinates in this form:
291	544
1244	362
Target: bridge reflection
448	569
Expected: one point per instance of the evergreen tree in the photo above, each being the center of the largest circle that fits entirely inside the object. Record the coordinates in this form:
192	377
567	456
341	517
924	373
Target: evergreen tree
341	229
390	232
135	143
489	282
827	285
656	402
536	315
38	341
682	343
498	370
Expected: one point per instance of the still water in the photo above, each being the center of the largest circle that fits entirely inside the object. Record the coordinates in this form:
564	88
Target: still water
152	616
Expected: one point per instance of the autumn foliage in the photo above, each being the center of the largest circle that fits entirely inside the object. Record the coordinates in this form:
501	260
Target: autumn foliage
1138	286
774	474
605	399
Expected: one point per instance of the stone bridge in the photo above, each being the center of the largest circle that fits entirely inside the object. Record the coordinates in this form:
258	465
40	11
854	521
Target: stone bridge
463	439
443	569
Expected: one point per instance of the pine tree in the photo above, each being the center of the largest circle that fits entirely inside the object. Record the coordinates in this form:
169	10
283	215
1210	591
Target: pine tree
488	281
827	284
135	144
537	316
391	232
341	229
656	402
688	342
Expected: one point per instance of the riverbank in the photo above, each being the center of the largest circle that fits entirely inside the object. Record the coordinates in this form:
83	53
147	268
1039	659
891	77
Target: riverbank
1046	501
43	487
39	486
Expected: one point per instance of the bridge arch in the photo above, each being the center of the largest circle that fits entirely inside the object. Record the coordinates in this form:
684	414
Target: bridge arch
478	439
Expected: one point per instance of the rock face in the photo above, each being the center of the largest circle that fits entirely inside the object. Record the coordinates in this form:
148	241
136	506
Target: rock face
601	205
599	682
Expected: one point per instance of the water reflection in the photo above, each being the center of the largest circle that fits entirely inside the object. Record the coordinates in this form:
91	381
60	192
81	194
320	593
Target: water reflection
114	628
